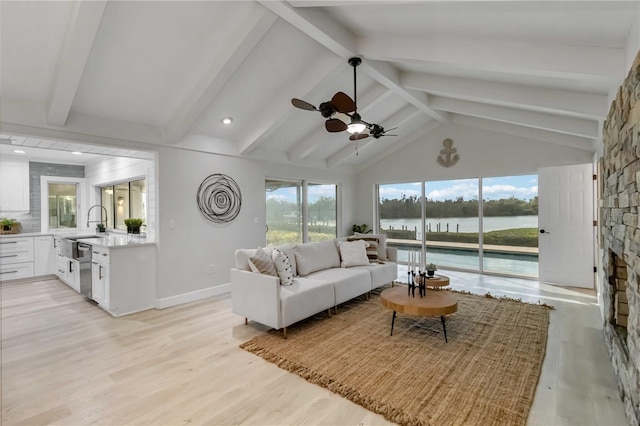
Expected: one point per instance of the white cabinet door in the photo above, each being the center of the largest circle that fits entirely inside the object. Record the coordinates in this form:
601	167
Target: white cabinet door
14	185
100	283
74	274
44	256
61	267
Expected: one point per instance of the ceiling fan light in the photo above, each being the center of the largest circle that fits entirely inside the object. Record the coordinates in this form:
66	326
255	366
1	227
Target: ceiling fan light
356	127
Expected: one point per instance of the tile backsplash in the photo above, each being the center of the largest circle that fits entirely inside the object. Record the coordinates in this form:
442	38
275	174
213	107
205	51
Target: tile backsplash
31	221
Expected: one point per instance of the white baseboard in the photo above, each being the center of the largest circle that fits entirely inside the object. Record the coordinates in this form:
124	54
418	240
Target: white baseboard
193	296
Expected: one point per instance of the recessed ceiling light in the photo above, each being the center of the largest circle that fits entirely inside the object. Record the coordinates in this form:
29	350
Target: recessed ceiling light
76	152
226	120
18	151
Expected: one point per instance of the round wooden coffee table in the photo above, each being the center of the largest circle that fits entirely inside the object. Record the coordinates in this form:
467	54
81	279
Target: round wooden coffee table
434	304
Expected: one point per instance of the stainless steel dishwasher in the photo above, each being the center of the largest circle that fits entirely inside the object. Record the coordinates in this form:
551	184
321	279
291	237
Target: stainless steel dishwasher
84	258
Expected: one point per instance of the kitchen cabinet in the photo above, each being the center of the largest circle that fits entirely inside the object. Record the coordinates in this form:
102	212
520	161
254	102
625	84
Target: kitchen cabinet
44	261
123	278
16	258
100	275
67	270
14	185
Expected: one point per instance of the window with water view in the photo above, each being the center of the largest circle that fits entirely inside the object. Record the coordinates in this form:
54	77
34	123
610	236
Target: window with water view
450	233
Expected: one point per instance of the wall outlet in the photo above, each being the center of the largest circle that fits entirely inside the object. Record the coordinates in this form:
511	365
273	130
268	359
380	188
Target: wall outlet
211	269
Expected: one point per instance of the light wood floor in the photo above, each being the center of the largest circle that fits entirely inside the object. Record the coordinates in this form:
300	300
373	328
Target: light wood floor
65	361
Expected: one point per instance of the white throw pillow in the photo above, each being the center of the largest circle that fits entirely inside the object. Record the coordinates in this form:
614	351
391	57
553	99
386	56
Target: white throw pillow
283	267
261	262
353	253
382	243
312	257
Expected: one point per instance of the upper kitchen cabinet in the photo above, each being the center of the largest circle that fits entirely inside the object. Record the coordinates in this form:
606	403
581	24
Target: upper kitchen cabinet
14	185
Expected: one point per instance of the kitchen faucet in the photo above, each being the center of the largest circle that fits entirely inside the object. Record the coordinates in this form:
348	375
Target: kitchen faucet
93	221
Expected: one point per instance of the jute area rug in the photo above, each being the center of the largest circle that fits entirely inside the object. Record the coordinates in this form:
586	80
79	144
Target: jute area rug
486	375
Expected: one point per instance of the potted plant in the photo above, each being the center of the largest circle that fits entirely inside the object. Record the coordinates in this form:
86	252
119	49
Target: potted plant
361	229
133	225
100	228
431	269
9	225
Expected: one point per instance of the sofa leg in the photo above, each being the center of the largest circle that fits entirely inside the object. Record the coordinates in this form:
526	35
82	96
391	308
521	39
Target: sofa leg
329	312
335	310
246	321
284	332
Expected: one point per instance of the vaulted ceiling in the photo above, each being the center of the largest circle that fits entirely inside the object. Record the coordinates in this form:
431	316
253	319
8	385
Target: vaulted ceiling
156	72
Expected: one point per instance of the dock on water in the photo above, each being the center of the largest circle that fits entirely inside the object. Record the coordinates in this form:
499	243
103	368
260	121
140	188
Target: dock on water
488	248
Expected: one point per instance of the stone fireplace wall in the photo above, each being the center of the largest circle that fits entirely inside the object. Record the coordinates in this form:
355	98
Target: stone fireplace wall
621	239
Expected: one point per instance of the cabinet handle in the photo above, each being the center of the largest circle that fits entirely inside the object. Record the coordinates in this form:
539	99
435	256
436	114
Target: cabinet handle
10	242
54	243
10	255
104	254
9	272
95	263
70	267
62	272
96	252
100	272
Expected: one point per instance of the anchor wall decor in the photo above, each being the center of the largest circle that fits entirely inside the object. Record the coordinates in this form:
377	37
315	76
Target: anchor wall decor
448	156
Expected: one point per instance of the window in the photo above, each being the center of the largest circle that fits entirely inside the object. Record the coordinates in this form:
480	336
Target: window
286	213
60	203
124	200
321	219
440	222
63	205
452	223
510	225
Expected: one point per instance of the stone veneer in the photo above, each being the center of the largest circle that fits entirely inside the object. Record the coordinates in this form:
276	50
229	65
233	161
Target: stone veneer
621	236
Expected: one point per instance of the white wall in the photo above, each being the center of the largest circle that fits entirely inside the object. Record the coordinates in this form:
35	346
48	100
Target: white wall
185	252
119	169
482	154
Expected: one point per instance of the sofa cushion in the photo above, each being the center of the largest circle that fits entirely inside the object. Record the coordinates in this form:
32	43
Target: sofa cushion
353	253
382	243
372	247
381	273
261	262
288	249
242	258
305	297
312	257
283	267
348	283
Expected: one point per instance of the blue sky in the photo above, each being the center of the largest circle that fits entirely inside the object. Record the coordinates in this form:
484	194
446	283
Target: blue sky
524	187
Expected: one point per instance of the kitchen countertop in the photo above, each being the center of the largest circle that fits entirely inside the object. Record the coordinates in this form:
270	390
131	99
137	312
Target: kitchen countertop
119	241
113	240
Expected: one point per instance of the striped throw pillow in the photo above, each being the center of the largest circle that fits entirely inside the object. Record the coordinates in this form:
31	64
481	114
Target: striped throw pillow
372	247
261	262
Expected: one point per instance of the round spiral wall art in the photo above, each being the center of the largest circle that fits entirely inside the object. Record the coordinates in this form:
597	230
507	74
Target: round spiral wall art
219	198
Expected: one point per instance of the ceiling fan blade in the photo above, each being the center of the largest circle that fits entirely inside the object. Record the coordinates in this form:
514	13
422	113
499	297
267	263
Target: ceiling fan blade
343	103
299	103
358	136
334	125
388	130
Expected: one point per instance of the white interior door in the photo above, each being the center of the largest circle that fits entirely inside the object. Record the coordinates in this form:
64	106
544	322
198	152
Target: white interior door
565	220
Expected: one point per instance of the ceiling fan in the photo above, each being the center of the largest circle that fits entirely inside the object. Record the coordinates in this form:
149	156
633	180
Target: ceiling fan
341	105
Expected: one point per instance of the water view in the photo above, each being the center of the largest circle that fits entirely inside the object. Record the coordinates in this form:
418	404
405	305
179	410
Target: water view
451	230
462	224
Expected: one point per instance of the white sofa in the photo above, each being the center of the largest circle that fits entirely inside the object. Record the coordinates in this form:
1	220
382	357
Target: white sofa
319	284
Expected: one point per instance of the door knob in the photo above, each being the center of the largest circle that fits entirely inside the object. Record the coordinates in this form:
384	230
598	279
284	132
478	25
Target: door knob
542	231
